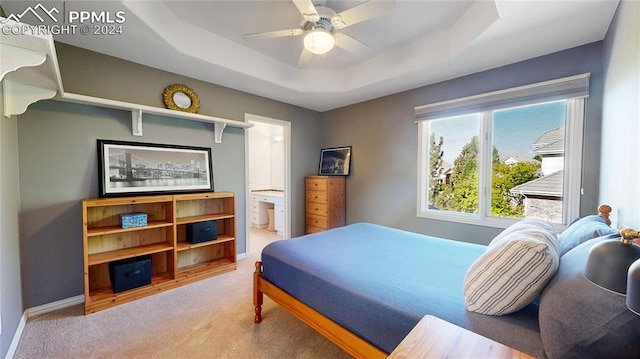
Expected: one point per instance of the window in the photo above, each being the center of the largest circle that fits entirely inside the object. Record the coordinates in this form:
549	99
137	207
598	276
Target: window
499	157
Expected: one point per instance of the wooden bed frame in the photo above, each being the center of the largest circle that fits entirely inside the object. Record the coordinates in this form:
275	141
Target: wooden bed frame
343	338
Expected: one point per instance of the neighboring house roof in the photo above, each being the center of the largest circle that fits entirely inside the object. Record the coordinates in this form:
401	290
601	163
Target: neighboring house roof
550	142
515	158
446	168
550	185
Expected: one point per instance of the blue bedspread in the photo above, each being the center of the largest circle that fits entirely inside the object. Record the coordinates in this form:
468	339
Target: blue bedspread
378	282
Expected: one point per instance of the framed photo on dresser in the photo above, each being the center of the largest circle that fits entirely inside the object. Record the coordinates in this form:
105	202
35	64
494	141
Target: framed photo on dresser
335	161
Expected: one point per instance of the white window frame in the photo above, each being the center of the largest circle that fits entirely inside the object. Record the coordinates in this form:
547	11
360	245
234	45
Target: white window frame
486	104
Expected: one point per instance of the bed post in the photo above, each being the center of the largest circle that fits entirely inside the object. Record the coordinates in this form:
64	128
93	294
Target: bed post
257	294
604	211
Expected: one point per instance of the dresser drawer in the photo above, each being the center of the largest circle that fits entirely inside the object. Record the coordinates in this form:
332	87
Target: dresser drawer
312	229
316	197
259	198
316	208
316	184
316	221
255	207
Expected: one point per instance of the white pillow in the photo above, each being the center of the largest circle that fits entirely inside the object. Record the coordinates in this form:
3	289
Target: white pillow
515	268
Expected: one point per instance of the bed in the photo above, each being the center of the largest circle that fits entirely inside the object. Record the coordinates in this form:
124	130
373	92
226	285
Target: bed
365	286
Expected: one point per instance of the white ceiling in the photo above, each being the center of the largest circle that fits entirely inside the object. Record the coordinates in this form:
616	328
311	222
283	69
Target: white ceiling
418	43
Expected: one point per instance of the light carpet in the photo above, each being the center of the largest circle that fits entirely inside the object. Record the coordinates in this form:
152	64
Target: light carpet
212	318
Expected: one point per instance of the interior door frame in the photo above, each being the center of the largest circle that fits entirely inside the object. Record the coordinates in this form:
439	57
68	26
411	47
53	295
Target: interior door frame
287	174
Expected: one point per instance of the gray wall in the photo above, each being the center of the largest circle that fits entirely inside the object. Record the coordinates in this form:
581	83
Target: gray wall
58	160
10	289
382	187
619	170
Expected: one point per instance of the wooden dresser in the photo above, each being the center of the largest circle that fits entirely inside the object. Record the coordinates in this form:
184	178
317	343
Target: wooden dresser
325	203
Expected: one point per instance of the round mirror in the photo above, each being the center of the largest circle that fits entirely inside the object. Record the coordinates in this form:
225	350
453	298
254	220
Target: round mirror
181	98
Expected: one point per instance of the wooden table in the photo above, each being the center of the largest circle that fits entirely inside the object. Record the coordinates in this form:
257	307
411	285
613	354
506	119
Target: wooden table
435	338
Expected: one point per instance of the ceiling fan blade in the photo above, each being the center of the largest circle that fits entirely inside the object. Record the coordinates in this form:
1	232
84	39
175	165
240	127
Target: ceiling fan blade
362	12
272	34
307	10
305	56
350	44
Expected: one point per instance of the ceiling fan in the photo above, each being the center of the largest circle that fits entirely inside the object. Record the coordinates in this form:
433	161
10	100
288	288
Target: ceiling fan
321	24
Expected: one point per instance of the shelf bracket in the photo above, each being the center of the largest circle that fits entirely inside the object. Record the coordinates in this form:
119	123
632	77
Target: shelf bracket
18	96
14	58
136	122
218	128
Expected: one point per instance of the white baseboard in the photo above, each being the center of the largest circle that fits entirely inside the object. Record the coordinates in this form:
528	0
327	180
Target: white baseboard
39	310
50	307
16	337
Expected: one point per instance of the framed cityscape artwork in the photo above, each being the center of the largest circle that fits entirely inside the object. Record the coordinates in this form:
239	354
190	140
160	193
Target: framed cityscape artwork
135	168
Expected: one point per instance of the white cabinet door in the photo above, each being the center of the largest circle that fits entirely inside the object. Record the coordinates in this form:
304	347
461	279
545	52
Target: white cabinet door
258	213
279	219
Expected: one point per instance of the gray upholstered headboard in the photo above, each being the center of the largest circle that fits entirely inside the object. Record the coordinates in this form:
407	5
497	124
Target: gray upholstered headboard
580	320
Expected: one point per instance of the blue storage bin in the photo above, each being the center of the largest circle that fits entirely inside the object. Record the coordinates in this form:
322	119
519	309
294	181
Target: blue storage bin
130	273
202	231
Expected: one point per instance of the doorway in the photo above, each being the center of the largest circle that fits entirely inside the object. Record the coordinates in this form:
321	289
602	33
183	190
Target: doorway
267	159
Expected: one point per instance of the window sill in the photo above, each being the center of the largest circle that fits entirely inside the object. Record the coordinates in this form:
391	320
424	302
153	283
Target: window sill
475	219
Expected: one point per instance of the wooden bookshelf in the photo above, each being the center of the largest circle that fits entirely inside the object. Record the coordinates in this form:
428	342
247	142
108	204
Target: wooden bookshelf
174	261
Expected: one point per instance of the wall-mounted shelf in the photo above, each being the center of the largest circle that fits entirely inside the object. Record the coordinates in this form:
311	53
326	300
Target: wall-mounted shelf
29	72
28	67
138	110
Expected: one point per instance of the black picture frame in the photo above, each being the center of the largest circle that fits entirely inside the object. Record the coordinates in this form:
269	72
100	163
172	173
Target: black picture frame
138	168
335	161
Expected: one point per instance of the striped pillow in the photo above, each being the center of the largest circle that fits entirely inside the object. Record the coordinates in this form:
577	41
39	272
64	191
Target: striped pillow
515	268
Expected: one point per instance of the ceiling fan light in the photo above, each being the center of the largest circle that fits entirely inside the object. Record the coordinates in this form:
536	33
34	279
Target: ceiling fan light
319	41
